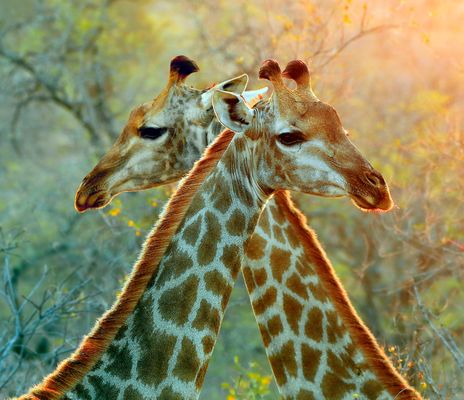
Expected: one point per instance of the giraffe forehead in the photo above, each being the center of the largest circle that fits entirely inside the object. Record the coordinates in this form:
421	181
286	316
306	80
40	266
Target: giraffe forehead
318	120
172	99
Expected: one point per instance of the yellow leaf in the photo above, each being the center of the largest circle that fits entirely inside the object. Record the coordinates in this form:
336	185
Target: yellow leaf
266	380
115	212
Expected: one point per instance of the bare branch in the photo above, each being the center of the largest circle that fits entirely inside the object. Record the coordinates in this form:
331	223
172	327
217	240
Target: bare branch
441	333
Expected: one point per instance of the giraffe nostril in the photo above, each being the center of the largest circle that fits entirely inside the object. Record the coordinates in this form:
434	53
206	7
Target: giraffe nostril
375	179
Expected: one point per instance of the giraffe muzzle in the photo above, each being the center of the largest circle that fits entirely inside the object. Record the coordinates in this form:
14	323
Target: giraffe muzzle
370	192
86	200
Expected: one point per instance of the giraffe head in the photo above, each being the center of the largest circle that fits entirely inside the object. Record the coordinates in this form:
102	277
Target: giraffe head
305	146
161	140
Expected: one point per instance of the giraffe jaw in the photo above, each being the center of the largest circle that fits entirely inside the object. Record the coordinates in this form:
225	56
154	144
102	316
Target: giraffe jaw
385	205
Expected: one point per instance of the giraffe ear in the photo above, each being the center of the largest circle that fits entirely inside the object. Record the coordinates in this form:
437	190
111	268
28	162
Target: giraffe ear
254	96
235	85
232	111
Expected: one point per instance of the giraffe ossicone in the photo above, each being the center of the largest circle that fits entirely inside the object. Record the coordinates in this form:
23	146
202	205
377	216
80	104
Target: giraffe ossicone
106	376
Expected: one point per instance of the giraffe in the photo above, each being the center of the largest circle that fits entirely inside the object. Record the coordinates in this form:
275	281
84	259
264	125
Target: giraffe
296	277
155	342
159	152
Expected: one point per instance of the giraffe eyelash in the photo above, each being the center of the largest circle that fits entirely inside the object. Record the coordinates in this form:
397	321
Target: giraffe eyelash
148	132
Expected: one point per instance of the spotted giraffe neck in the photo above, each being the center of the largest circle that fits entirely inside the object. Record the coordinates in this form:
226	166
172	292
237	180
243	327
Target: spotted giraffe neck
74	369
321	349
317	345
157	339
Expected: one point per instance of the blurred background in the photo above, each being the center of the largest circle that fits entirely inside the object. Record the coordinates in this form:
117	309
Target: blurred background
70	72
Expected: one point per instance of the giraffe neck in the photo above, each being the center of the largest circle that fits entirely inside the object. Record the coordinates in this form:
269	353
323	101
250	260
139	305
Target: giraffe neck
163	346
317	346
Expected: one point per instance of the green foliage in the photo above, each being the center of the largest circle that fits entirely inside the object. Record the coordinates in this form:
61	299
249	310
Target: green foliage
250	383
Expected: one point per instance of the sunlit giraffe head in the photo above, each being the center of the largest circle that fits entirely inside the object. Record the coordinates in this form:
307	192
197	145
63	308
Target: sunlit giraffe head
161	140
305	147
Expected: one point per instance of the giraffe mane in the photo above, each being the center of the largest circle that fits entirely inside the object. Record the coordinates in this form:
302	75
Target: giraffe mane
375	356
71	370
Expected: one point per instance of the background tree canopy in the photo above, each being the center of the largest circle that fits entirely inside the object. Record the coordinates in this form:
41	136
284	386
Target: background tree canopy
70	72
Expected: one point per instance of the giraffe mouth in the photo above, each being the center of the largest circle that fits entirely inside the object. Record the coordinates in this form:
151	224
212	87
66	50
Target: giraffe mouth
384	205
86	200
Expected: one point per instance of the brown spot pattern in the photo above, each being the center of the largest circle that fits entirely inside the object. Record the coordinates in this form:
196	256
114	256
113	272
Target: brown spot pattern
265	335
335	388
260	276
288	357
317	291
82	392
296	286
192	232
231	259
216	282
236	224
208	246
249	279
334	329
339	366
153	366
275	325
176	304
264	221
187	363
208	344
207	317
132	394
177	262
169	394
255	247
372	389
196	205
104	390
305	395
120	361
283	363
266	300
222	200
292	310
313	326
292	238
201	376
310	359
278	369
280	262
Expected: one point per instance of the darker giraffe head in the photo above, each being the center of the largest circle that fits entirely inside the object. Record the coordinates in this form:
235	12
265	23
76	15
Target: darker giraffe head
305	145
161	140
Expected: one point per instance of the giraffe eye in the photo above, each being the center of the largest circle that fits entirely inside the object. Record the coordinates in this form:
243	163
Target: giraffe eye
148	132
291	138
